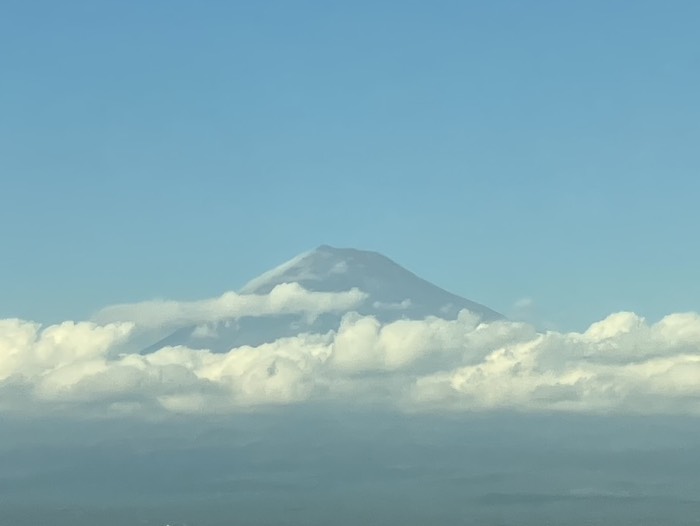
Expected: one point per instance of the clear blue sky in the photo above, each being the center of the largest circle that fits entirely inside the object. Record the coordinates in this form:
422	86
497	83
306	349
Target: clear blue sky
501	149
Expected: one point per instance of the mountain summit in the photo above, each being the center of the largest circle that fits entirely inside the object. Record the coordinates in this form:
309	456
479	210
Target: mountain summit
392	293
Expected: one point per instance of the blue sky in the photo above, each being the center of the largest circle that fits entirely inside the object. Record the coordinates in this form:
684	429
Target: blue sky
502	149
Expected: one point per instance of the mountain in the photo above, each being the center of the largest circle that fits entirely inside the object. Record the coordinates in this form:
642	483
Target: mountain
392	293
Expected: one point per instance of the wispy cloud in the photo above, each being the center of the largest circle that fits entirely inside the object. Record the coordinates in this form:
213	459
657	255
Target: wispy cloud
283	299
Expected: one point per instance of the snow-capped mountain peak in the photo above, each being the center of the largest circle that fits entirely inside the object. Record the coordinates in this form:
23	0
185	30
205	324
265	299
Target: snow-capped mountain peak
330	269
391	293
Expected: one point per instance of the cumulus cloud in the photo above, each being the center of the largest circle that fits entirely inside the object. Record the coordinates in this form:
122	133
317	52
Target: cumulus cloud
622	363
28	350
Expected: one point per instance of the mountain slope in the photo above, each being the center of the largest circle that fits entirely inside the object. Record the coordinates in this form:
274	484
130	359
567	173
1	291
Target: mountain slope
392	293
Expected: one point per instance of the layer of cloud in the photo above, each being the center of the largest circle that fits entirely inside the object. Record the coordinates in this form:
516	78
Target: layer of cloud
622	363
287	298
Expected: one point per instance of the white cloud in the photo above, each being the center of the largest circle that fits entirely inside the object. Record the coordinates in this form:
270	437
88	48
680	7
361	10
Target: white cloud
622	363
524	303
283	299
526	310
28	350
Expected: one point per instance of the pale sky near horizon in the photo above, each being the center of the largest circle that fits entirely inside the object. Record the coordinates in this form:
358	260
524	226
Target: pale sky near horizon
502	150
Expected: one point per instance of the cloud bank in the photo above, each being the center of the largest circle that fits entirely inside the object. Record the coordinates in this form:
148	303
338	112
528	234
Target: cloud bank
620	364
